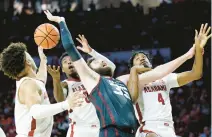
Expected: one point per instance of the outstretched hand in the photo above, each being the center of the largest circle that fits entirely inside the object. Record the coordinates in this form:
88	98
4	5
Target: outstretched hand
54	72
202	37
85	46
53	18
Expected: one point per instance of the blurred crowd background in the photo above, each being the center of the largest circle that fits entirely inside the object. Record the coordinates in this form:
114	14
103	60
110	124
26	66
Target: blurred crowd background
116	28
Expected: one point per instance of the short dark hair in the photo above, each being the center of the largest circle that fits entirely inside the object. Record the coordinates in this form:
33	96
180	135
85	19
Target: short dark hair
12	59
65	54
89	60
134	54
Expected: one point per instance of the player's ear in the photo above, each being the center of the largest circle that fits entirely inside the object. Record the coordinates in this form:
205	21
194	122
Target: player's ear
62	70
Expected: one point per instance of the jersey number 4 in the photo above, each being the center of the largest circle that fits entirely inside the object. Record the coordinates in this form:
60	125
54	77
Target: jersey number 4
160	98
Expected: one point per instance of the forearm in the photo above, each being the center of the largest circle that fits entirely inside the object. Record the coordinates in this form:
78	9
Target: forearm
133	85
38	111
42	71
68	42
162	70
198	63
58	90
95	54
171	66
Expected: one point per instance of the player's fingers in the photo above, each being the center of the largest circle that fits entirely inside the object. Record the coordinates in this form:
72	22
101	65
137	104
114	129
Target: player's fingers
196	33
45	12
208	30
80	48
83	37
201	28
58	68
79	40
209	36
78	96
49	67
48	12
205	27
77	105
80	36
54	67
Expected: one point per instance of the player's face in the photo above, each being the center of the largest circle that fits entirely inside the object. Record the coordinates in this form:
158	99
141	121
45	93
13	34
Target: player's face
141	59
67	66
31	62
101	67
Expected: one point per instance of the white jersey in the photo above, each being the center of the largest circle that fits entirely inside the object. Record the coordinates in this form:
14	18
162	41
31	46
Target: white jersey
2	134
26	125
154	102
85	114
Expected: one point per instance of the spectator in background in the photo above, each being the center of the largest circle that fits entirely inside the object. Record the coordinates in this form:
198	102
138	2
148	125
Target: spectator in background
206	132
18	7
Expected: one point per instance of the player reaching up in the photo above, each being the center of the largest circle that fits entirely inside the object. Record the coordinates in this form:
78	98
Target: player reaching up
110	97
154	97
84	121
33	111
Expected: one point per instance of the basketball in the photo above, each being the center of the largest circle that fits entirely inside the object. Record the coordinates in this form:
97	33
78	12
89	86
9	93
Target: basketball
47	36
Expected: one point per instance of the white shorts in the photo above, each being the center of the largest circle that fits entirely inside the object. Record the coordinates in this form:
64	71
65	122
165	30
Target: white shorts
2	134
83	130
162	129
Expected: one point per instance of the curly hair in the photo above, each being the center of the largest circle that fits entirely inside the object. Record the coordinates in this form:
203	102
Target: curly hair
12	59
65	54
130	64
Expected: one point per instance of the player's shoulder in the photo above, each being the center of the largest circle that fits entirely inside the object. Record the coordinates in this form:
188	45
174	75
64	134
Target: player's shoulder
123	78
28	85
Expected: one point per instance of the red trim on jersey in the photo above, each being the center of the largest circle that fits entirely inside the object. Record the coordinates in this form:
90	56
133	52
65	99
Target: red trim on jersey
117	133
108	109
139	113
100	111
95	86
33	127
74	79
102	117
72	130
145	131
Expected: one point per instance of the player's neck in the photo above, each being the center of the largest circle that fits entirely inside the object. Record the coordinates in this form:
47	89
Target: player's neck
74	76
31	74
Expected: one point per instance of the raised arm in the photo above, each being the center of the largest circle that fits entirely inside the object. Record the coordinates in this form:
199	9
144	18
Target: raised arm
163	70
133	83
88	77
87	49
57	87
196	72
31	94
42	71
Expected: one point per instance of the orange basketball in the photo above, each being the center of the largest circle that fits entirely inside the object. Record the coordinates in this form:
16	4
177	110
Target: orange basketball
47	36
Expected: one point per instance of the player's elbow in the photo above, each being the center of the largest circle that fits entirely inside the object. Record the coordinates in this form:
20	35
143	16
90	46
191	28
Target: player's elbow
197	75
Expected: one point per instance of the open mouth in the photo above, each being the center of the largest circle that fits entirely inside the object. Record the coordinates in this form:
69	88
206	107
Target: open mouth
104	65
71	67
